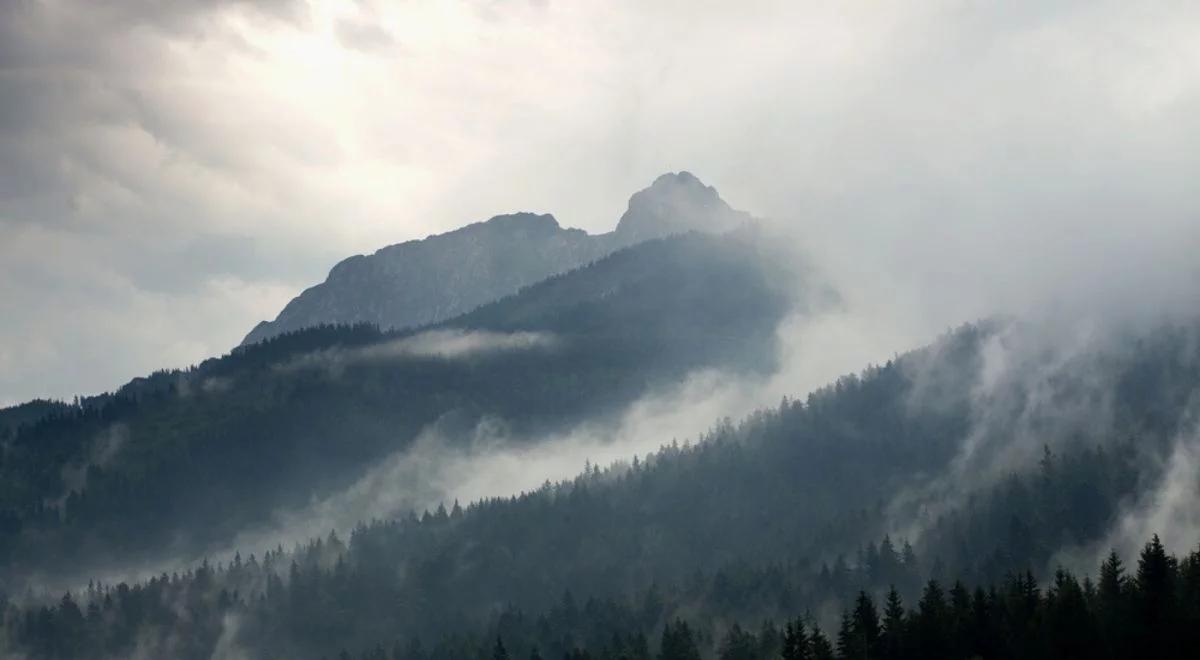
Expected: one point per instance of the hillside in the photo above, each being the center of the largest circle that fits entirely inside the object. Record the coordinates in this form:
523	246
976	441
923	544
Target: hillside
786	513
182	462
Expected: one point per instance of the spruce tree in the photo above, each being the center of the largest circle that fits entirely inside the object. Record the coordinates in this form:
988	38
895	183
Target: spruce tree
865	624
819	645
893	626
498	651
795	641
678	643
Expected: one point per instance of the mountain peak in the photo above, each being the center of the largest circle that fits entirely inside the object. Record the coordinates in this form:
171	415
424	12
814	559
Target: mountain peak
424	281
677	202
682	177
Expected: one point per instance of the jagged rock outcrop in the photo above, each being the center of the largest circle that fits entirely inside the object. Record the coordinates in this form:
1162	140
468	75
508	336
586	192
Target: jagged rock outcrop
676	203
425	281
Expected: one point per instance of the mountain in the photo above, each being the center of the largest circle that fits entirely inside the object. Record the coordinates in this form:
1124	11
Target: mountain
675	203
425	281
788	516
961	486
180	463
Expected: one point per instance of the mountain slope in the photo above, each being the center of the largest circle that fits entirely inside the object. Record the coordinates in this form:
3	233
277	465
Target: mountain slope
421	282
783	514
184	461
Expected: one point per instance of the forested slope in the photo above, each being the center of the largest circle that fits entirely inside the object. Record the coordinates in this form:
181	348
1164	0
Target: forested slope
181	461
786	514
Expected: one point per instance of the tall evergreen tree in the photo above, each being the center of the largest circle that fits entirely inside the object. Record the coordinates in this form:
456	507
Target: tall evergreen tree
498	651
892	647
1068	621
1155	582
931	623
795	641
865	628
820	646
845	637
738	645
678	642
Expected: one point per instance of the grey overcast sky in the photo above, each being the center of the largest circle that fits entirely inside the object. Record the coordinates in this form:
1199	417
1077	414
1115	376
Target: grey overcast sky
173	172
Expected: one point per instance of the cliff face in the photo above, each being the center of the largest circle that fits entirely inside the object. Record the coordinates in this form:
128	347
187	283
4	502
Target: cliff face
425	281
676	203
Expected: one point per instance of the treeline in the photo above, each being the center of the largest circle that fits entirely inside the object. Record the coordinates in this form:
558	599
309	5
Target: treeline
1151	612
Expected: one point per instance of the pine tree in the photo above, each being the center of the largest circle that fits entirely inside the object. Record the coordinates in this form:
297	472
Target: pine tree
819	645
865	627
1113	607
1155	588
678	643
498	651
931	622
738	645
960	620
845	637
770	641
982	640
889	561
1068	621
796	642
893	626
1113	583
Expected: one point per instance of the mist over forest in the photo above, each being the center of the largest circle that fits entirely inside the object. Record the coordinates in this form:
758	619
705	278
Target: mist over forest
599	331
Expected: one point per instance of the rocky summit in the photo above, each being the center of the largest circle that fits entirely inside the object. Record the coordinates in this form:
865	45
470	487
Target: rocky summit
425	281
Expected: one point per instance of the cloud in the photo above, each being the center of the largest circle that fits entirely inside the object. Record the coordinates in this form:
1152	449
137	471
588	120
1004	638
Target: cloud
440	344
452	344
227	646
1034	386
1165	506
362	36
469	459
171	173
1169	509
103	449
466	460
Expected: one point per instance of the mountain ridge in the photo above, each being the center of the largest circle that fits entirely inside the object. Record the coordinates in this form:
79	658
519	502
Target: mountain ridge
423	281
111	479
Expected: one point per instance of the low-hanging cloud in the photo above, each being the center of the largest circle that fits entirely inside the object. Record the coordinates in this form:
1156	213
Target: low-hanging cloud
1033	388
105	447
450	462
1167	507
451	344
461	460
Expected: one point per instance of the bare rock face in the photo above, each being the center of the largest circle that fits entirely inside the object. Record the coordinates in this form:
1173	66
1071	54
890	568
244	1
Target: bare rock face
676	203
425	281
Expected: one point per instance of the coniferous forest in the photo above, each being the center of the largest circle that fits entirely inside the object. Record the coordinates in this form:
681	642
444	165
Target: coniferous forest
775	523
376	330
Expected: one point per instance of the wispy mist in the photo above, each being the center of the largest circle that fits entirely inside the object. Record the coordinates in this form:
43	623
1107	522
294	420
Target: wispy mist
1168	508
438	344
